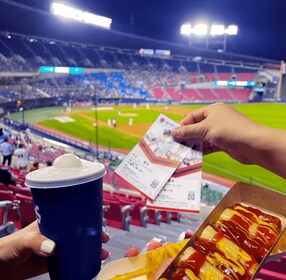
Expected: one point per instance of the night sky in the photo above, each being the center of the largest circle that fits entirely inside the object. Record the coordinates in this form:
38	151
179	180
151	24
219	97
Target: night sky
261	23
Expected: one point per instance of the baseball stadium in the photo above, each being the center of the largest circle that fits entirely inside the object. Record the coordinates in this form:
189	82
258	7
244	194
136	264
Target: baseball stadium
81	87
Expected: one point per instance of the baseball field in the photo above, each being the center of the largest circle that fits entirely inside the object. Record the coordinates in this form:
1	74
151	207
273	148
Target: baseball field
132	122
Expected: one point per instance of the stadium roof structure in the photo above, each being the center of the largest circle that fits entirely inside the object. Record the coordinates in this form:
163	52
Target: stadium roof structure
35	21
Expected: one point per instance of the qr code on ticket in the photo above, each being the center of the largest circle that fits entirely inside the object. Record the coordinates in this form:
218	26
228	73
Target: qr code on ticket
154	184
191	195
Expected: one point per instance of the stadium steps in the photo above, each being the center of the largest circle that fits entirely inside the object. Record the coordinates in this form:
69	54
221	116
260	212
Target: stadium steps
121	241
171	231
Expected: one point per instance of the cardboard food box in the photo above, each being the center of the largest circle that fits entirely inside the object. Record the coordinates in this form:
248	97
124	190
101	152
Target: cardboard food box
263	199
122	266
279	249
139	267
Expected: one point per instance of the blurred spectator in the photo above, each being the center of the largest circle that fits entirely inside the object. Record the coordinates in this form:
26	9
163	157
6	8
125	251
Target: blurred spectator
7	178
6	150
35	166
22	157
49	163
18	141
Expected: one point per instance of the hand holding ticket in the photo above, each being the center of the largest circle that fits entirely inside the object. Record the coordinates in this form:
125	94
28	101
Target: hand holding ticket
151	163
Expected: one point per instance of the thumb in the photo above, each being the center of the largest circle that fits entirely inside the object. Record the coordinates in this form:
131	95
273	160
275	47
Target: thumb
47	247
40	245
188	132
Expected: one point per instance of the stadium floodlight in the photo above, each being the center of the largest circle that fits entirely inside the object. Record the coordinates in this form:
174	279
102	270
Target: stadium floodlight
200	29
232	30
186	29
61	10
208	31
217	29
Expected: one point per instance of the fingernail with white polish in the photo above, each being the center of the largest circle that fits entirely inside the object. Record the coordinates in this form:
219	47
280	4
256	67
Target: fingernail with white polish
47	246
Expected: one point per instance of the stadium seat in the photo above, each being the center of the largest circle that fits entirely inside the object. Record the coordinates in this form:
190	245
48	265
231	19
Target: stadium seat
21	182
125	201
166	217
175	216
6	226
6	195
3	187
274	270
27	213
23	191
106	192
119	195
154	216
139	215
13	212
134	197
116	215
107	199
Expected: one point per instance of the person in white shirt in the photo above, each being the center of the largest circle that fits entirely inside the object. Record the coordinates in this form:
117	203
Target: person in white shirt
7	151
22	156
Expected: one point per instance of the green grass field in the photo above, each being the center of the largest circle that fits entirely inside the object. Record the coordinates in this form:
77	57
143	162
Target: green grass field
125	137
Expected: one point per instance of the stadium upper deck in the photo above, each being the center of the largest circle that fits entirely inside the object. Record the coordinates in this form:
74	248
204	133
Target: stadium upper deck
185	76
39	22
113	73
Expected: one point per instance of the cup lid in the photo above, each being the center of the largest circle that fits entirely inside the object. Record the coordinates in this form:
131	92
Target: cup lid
67	170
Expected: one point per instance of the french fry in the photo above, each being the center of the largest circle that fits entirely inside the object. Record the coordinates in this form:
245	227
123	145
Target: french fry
264	232
230	250
196	267
154	260
226	253
133	274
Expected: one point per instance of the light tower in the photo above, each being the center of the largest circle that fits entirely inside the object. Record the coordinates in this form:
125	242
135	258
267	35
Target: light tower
203	32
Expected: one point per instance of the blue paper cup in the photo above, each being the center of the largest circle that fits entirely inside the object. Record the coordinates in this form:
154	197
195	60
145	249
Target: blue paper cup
68	204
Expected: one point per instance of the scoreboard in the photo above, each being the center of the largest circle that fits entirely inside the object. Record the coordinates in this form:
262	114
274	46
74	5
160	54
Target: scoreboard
61	70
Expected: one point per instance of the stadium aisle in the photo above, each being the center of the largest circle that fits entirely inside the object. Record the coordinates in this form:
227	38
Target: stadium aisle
121	241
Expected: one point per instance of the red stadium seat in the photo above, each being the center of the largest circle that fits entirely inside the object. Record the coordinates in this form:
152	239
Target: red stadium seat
106	192
116	215
14	171
107	200
139	215
125	201
13	212
21	183
119	195
166	217
274	270
23	191
6	195
109	196
176	216
26	206
135	198
154	216
3	187
6	226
